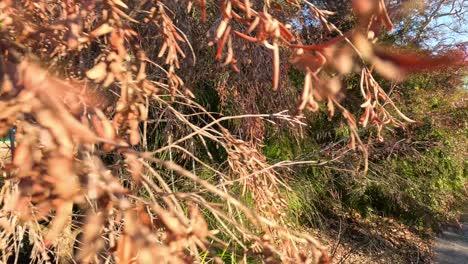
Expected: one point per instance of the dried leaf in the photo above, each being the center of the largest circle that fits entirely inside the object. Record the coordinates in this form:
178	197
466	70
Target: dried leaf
334	86
102	30
98	72
308	61
276	66
411	62
120	3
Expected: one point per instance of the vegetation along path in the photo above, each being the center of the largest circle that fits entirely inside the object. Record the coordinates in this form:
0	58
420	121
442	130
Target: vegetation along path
452	246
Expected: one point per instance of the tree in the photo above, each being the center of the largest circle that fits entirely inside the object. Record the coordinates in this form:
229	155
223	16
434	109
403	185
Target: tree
107	126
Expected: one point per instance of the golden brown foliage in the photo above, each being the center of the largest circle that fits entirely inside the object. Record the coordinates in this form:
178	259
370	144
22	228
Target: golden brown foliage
75	80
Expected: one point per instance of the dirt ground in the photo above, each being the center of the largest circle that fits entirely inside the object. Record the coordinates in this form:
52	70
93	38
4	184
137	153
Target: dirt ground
381	241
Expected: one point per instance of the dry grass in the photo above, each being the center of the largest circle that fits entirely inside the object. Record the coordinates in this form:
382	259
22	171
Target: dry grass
87	95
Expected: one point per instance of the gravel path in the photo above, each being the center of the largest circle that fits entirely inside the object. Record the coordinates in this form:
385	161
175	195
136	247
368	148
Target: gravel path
452	246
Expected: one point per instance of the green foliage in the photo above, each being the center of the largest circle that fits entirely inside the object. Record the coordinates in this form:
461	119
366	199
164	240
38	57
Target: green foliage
422	183
5	138
207	96
282	148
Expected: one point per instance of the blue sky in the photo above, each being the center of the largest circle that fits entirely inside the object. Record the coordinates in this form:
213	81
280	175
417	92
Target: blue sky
451	30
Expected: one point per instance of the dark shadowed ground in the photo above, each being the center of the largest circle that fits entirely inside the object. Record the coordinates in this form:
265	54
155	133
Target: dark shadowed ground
452	246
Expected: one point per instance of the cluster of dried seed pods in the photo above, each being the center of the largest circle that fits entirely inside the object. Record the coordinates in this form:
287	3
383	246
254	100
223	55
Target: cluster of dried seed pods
56	162
269	33
262	182
374	111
